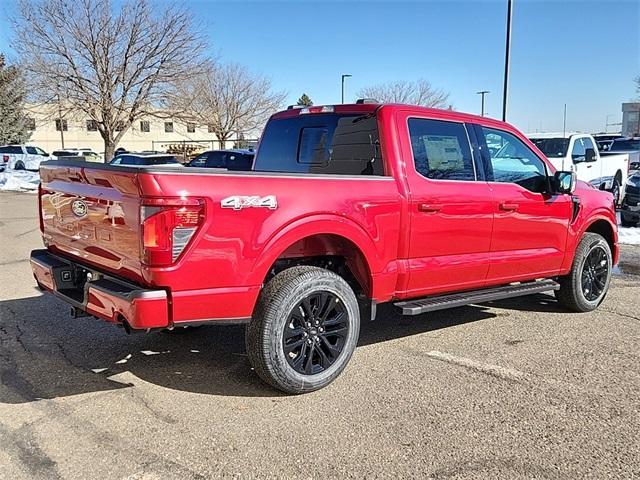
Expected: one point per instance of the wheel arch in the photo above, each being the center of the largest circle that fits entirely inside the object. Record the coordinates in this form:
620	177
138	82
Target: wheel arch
323	235
605	229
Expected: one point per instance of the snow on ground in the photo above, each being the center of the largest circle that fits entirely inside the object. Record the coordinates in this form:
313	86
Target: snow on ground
19	181
629	236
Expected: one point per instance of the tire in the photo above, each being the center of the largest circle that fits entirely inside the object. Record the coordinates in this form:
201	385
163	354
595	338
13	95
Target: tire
279	324
579	297
628	223
616	191
18	166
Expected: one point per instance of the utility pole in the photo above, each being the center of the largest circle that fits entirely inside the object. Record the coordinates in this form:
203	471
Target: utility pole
482	93
345	75
507	55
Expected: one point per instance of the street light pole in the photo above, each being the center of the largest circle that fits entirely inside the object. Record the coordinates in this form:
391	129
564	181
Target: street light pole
343	77
507	55
483	93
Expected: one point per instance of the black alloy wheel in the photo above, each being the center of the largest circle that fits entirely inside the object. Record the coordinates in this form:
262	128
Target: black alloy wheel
315	333
595	271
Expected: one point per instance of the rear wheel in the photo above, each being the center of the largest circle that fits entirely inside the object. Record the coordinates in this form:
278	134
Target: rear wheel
304	329
19	166
586	285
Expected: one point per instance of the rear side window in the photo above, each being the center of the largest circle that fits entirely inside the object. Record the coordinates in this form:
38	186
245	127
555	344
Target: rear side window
441	149
322	144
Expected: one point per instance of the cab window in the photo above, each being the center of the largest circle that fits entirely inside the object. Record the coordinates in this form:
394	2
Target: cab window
511	161
441	150
578	151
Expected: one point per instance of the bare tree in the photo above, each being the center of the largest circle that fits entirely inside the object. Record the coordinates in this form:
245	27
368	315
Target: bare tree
419	92
114	66
228	98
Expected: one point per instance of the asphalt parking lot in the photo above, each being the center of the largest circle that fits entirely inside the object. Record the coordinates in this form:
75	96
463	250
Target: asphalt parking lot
517	389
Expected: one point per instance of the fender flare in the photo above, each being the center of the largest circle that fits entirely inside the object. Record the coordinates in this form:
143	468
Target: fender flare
320	224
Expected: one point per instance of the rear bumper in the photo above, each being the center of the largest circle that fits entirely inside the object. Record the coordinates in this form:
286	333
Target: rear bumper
103	296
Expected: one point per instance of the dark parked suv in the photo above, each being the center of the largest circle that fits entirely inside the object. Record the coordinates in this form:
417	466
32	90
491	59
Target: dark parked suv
238	160
630	214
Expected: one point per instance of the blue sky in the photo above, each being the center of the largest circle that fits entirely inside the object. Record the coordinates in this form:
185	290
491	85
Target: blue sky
585	54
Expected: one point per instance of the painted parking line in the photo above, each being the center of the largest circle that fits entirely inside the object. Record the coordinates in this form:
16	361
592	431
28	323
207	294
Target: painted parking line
486	368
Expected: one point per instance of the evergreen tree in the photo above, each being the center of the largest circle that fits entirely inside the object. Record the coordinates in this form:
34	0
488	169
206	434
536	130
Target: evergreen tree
305	101
13	123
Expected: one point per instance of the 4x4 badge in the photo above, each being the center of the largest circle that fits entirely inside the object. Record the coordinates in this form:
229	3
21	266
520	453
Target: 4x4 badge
238	202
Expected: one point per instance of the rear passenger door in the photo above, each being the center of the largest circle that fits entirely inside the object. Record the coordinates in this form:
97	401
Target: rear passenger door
450	207
530	223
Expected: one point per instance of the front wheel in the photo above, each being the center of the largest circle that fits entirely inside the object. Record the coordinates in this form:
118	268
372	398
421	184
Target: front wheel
586	285
304	329
616	191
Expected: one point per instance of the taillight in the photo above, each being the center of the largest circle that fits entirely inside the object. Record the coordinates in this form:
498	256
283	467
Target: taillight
5	158
168	225
323	109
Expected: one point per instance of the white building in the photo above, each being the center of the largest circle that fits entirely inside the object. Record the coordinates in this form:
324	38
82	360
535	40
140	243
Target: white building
50	129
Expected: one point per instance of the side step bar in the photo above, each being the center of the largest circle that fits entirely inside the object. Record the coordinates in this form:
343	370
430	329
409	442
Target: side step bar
440	302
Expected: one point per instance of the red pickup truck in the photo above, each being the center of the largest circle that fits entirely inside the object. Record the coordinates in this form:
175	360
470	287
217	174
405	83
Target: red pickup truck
346	207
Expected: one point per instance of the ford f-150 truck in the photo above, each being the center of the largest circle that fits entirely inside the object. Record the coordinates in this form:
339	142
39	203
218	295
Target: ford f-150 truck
346	207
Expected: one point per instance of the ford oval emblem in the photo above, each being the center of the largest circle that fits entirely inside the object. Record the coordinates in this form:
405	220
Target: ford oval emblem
79	208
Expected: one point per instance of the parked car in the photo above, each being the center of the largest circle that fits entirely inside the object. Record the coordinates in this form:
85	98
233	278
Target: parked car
578	151
604	140
239	160
141	159
630	208
85	154
629	146
21	157
348	206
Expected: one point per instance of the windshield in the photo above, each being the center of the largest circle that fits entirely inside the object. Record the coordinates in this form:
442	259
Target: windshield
552	147
159	160
619	145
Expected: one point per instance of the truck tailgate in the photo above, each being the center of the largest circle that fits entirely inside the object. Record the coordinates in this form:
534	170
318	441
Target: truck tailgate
94	216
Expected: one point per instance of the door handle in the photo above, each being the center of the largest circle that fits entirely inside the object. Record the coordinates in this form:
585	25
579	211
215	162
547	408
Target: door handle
508	207
589	166
429	208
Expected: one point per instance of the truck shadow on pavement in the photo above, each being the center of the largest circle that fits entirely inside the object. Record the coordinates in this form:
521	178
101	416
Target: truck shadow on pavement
45	354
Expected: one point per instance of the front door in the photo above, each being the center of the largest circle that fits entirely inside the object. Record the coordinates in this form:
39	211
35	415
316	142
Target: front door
450	208
530	224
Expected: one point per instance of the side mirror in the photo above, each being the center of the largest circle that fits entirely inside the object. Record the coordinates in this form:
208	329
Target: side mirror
590	155
564	182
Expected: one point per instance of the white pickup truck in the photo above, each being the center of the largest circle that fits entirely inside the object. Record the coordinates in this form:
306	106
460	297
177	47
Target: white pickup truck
578	151
21	157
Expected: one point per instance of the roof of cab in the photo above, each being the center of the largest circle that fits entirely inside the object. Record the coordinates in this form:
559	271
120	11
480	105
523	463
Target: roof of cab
365	108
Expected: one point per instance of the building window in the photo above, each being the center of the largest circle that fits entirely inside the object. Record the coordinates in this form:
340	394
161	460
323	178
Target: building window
168	127
144	126
92	126
31	123
210	129
191	127
61	124
119	126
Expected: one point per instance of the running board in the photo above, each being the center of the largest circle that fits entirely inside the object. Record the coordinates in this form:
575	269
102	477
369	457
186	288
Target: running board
440	302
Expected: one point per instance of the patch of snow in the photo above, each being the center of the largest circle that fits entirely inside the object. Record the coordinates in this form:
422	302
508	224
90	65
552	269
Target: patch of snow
629	235
149	352
19	181
99	370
